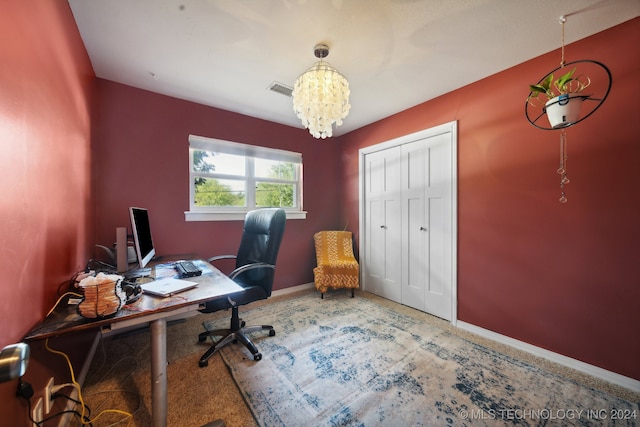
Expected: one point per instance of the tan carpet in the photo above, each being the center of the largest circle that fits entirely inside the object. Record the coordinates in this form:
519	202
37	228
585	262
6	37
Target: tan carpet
119	376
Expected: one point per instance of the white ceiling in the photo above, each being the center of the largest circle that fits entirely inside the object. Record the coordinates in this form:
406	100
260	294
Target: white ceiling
395	53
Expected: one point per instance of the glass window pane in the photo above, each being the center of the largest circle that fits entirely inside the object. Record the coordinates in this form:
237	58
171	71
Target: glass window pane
275	195
200	161
226	177
208	161
274	169
219	192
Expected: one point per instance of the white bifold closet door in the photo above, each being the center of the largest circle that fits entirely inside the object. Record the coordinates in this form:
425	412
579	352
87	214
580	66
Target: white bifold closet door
409	220
383	227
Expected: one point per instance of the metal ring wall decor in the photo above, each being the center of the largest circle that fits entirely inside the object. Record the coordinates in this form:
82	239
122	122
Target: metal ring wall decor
533	116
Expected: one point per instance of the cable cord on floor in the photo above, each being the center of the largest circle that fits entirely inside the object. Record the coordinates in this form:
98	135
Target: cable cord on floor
119	391
79	388
101	378
86	418
113	366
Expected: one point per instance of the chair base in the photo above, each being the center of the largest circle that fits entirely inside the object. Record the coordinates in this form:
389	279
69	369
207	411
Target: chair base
234	334
353	291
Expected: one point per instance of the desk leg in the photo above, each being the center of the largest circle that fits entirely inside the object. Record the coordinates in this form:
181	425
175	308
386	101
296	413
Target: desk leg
159	372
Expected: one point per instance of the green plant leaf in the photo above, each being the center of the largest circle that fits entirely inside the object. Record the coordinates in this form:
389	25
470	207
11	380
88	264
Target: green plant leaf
546	83
537	89
563	80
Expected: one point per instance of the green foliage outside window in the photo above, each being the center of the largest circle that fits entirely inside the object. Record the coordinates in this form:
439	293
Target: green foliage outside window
210	192
274	195
214	192
200	164
270	194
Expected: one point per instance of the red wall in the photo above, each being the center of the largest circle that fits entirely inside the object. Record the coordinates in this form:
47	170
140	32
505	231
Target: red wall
141	159
563	277
45	87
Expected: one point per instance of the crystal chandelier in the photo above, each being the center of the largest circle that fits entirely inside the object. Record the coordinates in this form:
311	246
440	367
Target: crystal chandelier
321	96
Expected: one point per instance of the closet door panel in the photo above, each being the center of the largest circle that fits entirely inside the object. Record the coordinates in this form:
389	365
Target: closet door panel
375	240
393	256
415	261
438	297
383	223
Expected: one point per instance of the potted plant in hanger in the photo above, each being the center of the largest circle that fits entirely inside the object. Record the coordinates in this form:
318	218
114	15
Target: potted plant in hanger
561	102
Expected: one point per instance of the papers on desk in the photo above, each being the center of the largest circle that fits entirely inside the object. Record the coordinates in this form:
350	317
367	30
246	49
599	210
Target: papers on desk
167	286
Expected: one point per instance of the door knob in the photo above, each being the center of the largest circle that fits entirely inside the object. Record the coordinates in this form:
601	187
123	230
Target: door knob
423	229
383	226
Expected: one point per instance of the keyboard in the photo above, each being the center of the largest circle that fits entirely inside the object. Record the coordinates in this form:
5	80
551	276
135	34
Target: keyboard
187	269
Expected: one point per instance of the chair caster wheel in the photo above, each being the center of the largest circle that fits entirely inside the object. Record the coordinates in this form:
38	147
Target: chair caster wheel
243	324
202	339
272	332
203	363
257	356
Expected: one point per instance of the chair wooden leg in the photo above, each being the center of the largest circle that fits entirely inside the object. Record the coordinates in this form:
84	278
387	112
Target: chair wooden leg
321	295
352	292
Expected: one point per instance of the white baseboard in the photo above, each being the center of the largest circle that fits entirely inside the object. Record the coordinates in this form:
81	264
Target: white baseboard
292	289
594	371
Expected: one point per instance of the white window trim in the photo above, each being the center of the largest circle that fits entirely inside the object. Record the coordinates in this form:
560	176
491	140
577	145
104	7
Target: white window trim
190	216
233	214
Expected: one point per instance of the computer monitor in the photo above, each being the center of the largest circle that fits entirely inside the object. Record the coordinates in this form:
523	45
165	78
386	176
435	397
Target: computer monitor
142	235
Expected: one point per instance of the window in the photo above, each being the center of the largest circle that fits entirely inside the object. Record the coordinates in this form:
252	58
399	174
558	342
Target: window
228	179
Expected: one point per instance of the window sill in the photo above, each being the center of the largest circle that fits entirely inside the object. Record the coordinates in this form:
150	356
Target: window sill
190	216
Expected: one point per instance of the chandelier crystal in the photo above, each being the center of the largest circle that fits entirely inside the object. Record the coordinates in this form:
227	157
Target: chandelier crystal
321	96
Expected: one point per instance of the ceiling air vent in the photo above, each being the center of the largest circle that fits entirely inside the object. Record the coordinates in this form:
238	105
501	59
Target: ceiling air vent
280	88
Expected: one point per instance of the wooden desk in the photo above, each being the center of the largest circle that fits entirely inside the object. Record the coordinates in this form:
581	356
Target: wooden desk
150	310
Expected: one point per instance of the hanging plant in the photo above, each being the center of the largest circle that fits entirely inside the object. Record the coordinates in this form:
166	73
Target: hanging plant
564	85
561	102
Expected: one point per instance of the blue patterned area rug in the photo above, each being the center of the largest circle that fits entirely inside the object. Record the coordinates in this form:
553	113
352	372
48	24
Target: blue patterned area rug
356	362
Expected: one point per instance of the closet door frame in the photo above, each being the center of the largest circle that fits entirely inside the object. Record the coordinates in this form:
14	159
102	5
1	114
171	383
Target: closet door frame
452	128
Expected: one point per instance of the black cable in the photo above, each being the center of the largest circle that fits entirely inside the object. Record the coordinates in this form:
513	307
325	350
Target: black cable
87	421
92	265
66	282
29	412
76	401
97	265
25	391
70	283
86	418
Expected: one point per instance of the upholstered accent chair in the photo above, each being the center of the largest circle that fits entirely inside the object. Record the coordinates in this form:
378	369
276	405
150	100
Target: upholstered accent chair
337	267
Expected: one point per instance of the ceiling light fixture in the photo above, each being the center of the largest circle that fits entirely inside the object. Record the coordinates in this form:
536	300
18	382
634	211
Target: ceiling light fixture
321	96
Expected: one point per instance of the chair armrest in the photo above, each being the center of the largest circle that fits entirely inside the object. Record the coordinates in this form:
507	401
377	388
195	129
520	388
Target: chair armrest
216	258
248	267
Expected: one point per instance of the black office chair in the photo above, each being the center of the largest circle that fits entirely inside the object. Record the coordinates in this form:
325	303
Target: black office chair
255	267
